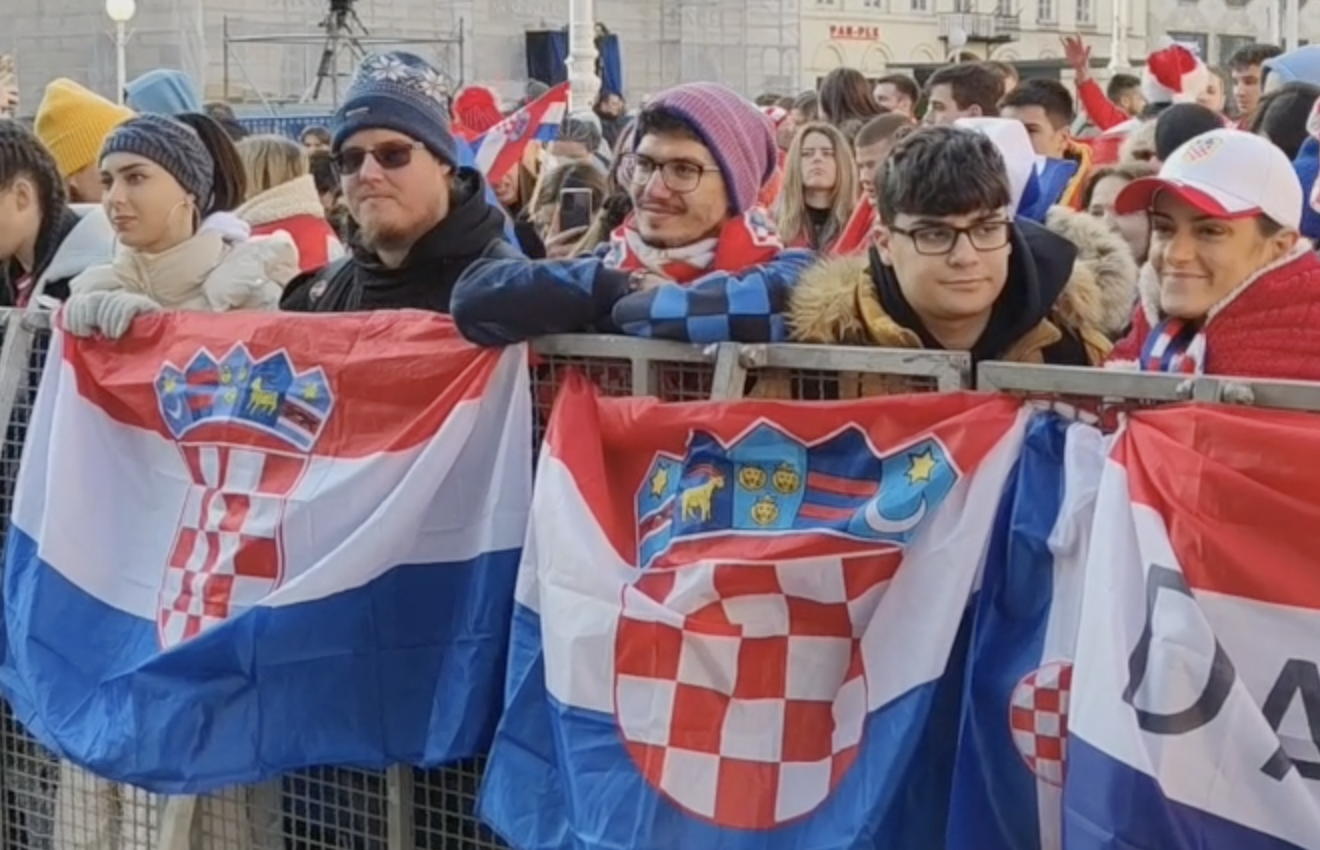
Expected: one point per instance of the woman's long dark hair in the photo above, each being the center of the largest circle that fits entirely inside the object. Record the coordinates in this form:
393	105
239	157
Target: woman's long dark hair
847	95
229	185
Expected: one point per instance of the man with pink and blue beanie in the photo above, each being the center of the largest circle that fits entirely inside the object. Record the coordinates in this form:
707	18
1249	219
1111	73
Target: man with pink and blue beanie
696	261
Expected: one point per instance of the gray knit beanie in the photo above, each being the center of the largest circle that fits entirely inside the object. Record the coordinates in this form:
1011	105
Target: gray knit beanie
173	146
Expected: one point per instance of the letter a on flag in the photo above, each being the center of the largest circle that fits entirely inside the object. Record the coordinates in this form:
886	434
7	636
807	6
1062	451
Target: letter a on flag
1196	700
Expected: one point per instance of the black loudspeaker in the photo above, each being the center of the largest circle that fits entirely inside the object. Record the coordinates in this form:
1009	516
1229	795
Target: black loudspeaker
546	52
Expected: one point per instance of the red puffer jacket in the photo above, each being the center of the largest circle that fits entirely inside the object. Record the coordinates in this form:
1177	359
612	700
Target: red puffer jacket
1269	327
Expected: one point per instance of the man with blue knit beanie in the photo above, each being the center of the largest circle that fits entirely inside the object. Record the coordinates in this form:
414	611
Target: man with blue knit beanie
696	261
423	217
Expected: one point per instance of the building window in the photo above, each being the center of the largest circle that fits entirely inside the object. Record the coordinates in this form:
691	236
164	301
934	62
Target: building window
963	6
1085	13
1045	11
1004	8
874	4
1197	42
1229	44
919	5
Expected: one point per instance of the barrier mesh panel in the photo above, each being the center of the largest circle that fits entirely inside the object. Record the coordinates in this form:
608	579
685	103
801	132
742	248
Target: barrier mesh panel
682	381
446	802
818	385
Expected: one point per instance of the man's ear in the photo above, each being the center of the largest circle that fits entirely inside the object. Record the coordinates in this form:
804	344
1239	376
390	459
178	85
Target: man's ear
974	111
881	237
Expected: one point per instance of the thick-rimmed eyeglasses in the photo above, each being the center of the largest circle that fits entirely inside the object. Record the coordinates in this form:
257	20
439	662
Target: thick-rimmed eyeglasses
678	175
938	239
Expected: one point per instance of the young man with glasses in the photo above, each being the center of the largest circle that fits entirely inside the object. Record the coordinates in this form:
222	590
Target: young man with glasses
696	261
952	269
421	219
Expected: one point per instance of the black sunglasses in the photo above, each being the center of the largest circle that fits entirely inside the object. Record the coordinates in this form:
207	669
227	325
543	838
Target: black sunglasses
388	155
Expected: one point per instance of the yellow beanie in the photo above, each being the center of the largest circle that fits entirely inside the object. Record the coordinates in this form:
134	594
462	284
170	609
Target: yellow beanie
73	122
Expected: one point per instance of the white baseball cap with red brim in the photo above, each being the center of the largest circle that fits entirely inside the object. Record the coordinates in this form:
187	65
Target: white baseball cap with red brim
1225	174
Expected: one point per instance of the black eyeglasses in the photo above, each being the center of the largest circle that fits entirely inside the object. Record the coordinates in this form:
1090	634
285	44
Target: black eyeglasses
388	155
938	239
678	175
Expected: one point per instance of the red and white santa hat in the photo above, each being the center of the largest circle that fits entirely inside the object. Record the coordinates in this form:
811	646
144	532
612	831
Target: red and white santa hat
1173	74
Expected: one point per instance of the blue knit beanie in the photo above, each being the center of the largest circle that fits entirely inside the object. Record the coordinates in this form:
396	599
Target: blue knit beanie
173	146
401	92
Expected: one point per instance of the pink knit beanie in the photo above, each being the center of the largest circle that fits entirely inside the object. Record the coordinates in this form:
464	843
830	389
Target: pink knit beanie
738	135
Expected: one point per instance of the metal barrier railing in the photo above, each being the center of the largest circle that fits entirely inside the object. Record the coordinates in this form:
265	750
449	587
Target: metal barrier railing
1122	390
49	805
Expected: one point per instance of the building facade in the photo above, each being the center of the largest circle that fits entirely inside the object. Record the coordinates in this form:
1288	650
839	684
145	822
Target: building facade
880	36
273	49
249	50
1218	27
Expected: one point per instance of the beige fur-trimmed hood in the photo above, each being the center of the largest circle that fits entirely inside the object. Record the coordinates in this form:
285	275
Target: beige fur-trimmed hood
1103	256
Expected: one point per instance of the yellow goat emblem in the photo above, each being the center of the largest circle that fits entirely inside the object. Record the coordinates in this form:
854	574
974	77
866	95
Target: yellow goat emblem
261	400
696	500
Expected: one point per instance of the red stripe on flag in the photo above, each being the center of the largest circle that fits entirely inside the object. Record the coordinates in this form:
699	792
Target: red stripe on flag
825	513
841	486
404	370
1238	494
609	448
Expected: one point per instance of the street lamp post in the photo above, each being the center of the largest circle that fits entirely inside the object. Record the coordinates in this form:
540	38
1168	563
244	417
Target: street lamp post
583	84
121	12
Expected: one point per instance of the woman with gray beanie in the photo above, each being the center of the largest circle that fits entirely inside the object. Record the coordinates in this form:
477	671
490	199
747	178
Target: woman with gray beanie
170	187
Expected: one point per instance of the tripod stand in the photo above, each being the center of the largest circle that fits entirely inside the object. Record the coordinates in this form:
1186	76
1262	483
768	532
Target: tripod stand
342	30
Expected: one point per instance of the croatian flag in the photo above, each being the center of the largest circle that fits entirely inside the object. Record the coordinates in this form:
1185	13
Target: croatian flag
229	560
1008	784
1196	711
734	620
502	146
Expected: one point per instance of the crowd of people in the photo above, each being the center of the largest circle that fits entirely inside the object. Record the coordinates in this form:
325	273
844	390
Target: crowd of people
1165	225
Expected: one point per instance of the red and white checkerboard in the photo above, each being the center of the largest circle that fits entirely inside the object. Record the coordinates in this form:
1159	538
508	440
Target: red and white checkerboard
1038	717
227	553
740	689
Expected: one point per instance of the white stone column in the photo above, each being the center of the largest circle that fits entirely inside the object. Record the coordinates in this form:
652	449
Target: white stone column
583	83
1118	39
1292	25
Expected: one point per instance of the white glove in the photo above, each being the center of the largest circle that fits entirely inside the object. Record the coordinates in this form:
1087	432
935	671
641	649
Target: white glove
108	312
118	310
80	312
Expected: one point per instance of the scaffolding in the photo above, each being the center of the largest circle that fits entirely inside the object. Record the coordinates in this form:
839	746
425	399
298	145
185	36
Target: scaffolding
328	45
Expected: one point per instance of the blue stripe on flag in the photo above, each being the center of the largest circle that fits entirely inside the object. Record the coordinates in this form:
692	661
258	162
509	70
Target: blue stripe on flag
407	668
1110	805
559	777
994	804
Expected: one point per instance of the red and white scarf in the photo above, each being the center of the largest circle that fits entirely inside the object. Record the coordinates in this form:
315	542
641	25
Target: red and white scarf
745	241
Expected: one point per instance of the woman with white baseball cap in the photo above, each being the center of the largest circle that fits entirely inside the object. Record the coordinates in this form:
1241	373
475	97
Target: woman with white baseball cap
1231	287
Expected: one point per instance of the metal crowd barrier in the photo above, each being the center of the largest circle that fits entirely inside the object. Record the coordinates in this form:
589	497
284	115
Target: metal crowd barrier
45	805
291	126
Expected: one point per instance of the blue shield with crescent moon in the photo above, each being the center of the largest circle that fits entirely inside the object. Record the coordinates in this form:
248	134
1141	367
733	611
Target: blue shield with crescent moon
769	482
